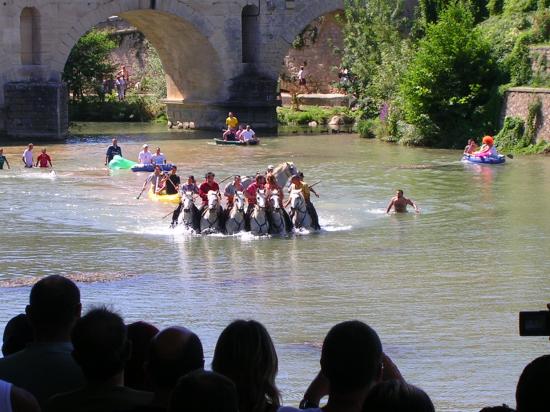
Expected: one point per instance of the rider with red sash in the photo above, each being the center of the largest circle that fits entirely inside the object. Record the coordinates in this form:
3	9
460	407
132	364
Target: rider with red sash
206	186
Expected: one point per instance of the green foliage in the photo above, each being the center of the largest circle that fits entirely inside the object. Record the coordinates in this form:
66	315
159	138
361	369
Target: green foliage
88	64
366	128
516	137
534	115
153	78
520	6
321	115
495	7
449	80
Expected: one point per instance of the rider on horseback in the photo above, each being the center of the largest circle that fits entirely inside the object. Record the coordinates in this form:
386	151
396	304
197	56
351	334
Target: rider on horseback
297	183
250	194
273	186
206	186
190	186
231	190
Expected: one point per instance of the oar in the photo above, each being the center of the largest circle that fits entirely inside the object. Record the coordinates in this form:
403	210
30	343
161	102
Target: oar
143	189
227	178
316	183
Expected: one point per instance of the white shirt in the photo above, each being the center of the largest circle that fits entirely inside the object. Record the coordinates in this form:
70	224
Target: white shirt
159	159
248	135
27	155
145	157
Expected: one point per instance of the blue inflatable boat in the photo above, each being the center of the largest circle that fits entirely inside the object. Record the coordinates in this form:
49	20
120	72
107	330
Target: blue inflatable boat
150	168
488	160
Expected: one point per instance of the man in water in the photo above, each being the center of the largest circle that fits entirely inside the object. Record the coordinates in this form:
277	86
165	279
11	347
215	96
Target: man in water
43	159
145	157
3	159
400	202
27	156
113	150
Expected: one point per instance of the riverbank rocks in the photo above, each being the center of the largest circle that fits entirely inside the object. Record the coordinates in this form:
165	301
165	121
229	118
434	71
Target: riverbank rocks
179	125
170	124
336	120
312	124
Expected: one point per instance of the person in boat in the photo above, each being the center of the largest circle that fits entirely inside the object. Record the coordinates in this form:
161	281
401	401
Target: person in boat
145	157
112	151
250	194
471	147
171	182
231	122
3	159
208	185
248	135
156	180
399	203
231	190
297	183
190	186
239	132
487	149
158	158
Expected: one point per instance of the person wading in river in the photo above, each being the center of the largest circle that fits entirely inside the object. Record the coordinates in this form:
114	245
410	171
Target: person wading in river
400	202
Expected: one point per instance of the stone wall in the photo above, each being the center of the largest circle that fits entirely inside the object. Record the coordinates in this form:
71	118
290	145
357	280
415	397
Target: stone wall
540	57
516	104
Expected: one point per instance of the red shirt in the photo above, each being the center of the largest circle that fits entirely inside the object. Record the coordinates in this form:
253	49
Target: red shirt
44	159
251	190
205	187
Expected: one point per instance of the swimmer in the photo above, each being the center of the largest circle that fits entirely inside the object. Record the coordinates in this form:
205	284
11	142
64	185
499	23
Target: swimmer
400	202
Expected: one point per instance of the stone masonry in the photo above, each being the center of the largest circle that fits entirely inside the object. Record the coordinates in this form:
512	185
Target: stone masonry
516	104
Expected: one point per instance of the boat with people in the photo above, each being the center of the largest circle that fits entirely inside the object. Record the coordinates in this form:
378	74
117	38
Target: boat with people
488	160
162	197
236	142
486	154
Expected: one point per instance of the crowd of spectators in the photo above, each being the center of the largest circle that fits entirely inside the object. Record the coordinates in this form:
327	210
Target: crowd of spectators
56	360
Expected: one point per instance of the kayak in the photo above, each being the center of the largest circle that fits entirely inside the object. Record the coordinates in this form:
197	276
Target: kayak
150	167
164	198
484	159
236	142
119	162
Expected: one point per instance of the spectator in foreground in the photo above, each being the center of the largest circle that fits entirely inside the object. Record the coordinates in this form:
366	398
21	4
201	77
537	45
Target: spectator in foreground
245	354
17	334
14	399
533	389
46	366
101	348
351	362
397	396
140	334
202	391
174	352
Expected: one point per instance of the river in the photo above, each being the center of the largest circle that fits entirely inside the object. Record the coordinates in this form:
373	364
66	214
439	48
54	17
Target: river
443	288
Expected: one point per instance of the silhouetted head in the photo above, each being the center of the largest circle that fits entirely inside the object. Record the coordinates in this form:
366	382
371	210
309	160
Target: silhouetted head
17	334
101	347
533	390
202	391
502	408
245	354
174	352
351	357
140	334
397	396
54	306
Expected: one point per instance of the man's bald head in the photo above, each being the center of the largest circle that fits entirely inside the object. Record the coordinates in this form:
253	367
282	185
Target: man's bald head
175	351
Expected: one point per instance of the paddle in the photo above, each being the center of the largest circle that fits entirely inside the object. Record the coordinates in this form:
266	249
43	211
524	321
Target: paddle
143	188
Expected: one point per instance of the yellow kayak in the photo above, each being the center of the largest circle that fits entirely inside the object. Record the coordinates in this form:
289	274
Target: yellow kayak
163	197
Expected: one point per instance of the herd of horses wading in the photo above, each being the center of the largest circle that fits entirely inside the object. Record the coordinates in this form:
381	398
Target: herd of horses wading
267	217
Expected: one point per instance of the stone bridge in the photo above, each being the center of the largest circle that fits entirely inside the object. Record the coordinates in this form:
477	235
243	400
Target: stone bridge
218	55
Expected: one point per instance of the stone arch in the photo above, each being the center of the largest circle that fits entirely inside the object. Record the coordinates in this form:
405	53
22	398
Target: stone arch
250	22
29	31
180	36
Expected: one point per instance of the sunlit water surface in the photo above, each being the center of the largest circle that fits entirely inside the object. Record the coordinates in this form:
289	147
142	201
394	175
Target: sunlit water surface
442	288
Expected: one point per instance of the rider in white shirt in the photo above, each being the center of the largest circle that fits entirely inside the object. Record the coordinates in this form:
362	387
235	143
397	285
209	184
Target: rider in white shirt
158	158
145	157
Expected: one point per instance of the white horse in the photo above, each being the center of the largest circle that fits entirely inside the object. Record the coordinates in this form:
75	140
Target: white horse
191	214
235	220
212	219
298	210
280	224
259	225
283	172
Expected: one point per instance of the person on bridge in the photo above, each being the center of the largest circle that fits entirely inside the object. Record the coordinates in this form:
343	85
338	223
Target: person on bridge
400	202
27	156
3	159
208	185
112	151
43	159
145	157
232	123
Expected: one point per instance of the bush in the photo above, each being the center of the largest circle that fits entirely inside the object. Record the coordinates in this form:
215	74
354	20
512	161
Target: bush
321	115
366	127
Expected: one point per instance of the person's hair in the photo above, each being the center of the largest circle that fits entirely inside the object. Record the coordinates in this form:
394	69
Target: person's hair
158	167
100	343
351	357
202	391
245	353
260	177
532	392
54	305
185	355
400	191
17	334
140	334
271	179
397	396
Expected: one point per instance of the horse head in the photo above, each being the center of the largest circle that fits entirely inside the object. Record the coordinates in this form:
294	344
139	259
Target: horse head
213	200
275	199
187	201
297	200
238	201
260	198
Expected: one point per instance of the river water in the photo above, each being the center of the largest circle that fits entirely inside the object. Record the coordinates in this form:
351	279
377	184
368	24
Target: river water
442	288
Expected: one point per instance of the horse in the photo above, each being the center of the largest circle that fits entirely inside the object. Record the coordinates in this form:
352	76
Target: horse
298	210
283	172
235	218
212	215
259	223
191	214
280	223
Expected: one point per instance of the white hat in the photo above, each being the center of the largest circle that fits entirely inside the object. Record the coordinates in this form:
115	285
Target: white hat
145	145
270	167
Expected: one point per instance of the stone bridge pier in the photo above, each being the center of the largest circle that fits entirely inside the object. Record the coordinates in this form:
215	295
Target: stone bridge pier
218	55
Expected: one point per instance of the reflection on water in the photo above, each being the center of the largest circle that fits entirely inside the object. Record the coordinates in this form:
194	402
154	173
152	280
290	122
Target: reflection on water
442	288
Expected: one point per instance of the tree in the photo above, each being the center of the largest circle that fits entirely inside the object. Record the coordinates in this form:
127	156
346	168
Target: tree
88	63
447	88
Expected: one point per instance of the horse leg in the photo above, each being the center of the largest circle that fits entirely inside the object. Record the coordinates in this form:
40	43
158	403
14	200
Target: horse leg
288	221
176	215
313	214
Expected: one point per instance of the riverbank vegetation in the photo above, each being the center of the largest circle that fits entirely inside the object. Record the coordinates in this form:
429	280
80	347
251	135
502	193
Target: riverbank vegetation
318	114
439	78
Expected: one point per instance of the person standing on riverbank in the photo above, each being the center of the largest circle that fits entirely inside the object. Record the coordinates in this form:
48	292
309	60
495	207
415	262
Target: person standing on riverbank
3	159
27	158
400	202
112	151
43	159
